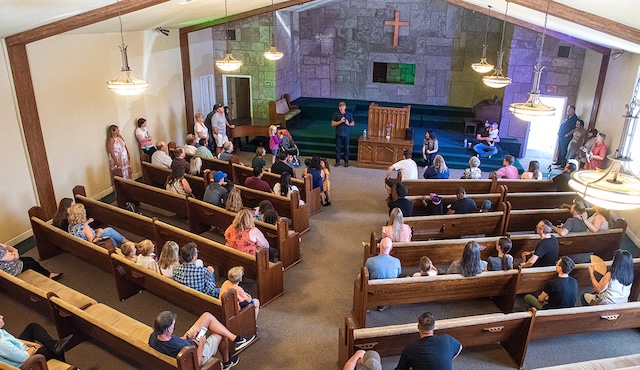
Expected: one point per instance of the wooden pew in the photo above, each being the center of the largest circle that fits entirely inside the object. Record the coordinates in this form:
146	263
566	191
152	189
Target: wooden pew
525	186
286	207
39	362
32	287
602	244
52	241
448	186
310	195
203	216
539	200
527	219
124	336
157	176
214	164
420	210
135	192
268	275
511	331
131	278
450	226
497	285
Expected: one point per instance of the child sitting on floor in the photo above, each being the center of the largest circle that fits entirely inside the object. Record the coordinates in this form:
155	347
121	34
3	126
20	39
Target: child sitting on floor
244	299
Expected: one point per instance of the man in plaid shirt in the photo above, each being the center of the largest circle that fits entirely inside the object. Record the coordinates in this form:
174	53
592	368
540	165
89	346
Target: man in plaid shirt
195	275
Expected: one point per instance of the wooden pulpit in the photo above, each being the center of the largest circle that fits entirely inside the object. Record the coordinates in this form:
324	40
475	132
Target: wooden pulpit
378	151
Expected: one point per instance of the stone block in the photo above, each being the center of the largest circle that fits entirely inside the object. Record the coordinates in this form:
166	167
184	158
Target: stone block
310	87
437	100
563	62
322	71
406	90
438	24
325	88
560	79
406	45
521	33
326	47
521	74
307	71
523	57
420	22
350	23
438	62
370	30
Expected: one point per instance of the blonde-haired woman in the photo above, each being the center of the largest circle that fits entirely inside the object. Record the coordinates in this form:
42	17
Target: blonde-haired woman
79	226
169	258
235	275
244	236
234	201
396	229
119	159
200	130
145	256
439	170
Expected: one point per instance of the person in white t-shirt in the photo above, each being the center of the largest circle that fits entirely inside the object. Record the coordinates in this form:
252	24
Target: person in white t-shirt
199	129
407	167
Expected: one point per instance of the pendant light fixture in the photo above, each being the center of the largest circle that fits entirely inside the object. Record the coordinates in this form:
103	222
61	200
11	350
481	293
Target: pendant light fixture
126	84
483	66
229	63
617	187
534	108
273	53
497	79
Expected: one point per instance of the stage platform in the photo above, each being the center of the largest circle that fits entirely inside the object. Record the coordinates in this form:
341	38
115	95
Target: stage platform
314	135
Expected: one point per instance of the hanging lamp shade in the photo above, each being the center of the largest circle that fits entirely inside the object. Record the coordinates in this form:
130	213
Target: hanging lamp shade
273	53
229	63
126	84
497	80
483	66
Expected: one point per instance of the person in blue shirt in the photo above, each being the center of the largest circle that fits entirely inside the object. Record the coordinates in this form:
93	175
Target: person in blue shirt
34	340
384	266
342	120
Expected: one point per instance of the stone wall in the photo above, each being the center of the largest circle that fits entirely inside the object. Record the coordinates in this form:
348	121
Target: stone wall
562	74
340	42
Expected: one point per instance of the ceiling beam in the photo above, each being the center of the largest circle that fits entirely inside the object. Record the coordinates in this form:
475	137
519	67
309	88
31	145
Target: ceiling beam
586	19
244	15
560	36
80	20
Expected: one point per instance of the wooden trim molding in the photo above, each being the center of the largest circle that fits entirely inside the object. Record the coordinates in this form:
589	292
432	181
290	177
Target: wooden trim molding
604	66
186	79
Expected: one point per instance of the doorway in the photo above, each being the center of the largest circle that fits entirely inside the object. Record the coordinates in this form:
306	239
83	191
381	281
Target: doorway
237	96
541	140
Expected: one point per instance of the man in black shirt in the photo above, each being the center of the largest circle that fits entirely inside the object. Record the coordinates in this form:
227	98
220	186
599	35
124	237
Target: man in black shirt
280	166
546	253
405	205
463	204
430	351
568	124
559	292
562	180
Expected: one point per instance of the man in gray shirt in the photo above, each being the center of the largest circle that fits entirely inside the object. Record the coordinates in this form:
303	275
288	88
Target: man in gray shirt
573	223
216	193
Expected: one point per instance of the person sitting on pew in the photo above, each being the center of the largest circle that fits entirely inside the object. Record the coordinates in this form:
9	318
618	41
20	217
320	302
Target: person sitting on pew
79	227
169	258
575	223
235	275
244	236
615	285
562	180
430	351
398	193
178	160
129	251
13	264
160	157
190	146
258	160
407	167
281	164
256	182
439	170
470	264
176	183
193	274
163	340
369	360
463	204
507	171
384	266
473	172
227	151
533	172
547	249
60	219
598	221
560	292
426	268
433	204
34	340
234	201
203	151
216	193
145	256
504	261
396	229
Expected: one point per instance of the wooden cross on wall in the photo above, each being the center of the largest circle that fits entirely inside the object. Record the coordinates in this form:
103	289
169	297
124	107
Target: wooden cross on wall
396	27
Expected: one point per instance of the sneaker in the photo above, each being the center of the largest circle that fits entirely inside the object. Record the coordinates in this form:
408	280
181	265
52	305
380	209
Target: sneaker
233	361
346	164
382	308
242	342
337	164
61	345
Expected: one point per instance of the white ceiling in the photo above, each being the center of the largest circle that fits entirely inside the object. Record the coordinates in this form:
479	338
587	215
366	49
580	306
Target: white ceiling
21	15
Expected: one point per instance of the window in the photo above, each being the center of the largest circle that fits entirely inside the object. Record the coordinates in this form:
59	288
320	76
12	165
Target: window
394	73
635	139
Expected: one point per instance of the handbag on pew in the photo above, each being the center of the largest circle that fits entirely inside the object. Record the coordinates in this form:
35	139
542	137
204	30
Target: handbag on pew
105	243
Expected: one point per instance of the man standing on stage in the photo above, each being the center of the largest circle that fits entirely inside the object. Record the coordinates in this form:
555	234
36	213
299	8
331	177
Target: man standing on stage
342	120
566	126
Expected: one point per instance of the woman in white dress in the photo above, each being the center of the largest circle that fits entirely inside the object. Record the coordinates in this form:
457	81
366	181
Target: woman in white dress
119	160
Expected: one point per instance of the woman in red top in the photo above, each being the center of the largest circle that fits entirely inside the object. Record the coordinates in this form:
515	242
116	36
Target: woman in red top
243	234
595	158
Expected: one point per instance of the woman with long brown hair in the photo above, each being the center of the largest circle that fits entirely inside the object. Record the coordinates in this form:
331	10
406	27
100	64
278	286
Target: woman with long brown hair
119	159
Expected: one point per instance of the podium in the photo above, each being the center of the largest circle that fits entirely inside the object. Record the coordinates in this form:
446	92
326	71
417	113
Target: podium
376	151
